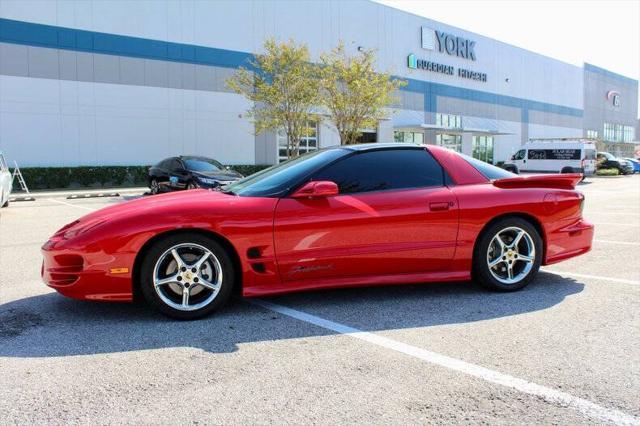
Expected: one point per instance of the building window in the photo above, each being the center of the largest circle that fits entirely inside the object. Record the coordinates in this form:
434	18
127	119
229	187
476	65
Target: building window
453	142
410	137
449	121
308	143
618	133
482	148
629	134
592	134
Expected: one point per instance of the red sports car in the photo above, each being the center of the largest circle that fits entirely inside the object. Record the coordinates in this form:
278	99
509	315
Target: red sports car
340	217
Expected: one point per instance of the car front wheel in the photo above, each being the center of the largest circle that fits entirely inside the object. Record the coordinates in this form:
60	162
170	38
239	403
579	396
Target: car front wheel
187	276
508	255
154	186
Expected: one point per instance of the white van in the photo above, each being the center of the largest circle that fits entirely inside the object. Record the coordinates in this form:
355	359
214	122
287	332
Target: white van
555	156
5	182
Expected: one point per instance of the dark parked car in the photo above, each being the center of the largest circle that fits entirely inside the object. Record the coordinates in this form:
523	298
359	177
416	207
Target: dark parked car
189	172
606	160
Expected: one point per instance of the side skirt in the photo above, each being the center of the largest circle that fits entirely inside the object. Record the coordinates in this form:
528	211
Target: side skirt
329	283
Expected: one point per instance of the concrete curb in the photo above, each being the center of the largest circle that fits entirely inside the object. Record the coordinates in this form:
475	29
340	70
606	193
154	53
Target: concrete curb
85	193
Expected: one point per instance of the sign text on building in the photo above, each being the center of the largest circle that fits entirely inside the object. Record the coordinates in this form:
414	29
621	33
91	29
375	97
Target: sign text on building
448	43
414	63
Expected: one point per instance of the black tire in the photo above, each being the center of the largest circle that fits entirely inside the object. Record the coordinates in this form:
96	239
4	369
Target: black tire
567	170
6	204
481	270
191	185
156	253
154	186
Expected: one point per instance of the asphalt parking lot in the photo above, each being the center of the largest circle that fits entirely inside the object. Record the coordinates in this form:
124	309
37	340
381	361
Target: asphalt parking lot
565	350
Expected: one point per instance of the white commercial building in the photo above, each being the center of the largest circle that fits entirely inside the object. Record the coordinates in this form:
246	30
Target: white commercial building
94	82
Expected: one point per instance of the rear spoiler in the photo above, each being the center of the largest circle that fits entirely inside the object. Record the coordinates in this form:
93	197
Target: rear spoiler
555	181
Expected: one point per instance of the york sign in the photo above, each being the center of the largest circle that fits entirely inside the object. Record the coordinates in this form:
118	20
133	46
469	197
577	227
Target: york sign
448	43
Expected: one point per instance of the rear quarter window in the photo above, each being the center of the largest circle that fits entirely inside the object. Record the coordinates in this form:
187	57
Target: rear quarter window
489	171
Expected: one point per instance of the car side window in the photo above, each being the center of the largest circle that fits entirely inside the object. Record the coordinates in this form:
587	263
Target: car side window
520	155
175	165
383	170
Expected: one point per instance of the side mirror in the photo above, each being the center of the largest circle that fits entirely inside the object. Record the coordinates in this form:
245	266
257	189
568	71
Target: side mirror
319	189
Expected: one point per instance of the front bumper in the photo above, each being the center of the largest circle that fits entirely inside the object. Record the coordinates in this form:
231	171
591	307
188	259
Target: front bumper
214	185
87	275
569	241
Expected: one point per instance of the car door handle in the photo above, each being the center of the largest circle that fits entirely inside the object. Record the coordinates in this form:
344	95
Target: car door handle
438	207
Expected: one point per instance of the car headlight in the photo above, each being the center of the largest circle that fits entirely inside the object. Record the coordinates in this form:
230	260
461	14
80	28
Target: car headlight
208	181
81	229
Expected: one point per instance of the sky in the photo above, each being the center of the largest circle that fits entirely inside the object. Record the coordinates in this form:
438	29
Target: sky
602	33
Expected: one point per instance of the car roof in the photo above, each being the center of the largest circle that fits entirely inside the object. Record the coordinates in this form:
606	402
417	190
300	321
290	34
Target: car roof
191	157
380	145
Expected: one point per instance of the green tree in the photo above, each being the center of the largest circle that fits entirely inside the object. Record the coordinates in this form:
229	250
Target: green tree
353	93
283	88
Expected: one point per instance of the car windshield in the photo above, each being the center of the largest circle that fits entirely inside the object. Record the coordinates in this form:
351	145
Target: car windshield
608	155
489	171
199	164
279	179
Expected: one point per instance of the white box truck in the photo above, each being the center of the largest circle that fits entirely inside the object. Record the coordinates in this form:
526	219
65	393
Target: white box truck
564	155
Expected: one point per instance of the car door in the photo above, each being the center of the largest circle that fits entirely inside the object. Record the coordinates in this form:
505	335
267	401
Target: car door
393	215
160	173
177	174
520	160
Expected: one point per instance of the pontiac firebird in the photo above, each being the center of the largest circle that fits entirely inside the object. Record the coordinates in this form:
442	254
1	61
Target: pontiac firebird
361	215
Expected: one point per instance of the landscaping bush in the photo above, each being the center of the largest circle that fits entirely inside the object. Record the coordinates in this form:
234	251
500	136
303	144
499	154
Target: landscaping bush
97	176
607	172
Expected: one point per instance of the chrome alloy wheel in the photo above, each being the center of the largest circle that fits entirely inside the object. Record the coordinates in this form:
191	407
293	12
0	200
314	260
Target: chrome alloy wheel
511	255
187	277
155	187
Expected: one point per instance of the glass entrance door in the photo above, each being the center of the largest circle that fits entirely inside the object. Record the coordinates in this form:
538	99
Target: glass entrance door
450	141
482	148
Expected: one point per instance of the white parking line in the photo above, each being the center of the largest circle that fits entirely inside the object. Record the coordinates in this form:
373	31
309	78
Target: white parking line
624	243
553	396
594	277
72	205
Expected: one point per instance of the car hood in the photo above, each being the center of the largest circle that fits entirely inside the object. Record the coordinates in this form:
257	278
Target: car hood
222	175
200	199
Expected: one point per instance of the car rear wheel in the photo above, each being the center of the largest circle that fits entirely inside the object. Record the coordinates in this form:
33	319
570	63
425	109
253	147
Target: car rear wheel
508	255
187	276
154	186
